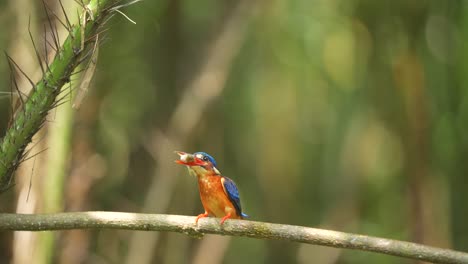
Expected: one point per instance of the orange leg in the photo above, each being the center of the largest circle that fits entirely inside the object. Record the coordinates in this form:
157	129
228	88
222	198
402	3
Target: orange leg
225	218
201	216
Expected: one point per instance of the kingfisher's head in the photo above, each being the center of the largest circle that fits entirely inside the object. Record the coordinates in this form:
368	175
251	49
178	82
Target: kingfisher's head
201	163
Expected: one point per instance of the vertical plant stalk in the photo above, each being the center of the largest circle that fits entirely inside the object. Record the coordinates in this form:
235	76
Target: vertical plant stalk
59	138
45	94
59	152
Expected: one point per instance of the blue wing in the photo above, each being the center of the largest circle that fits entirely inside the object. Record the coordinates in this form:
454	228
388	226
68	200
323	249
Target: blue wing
232	192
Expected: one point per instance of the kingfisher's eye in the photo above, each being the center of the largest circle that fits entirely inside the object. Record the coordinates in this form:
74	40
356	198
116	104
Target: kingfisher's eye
205	158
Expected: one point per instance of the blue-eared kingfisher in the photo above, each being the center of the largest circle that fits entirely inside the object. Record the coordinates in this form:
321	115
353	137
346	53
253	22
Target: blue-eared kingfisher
219	194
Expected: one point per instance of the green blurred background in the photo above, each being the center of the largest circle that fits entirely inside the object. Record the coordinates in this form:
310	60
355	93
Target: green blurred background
342	114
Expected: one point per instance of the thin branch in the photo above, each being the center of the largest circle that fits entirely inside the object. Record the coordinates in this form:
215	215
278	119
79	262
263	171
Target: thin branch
34	46
48	9
52	27
46	57
15	83
69	26
10	59
252	229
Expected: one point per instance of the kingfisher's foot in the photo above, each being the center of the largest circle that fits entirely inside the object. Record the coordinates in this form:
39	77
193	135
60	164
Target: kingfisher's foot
225	218
200	216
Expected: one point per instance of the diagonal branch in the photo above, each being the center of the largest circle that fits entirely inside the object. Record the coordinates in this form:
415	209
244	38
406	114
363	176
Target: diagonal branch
29	119
253	229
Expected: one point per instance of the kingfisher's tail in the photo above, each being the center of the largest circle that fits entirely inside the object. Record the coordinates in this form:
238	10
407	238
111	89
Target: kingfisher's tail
244	215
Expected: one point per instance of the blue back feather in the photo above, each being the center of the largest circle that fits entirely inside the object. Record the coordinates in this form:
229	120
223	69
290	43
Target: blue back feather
233	195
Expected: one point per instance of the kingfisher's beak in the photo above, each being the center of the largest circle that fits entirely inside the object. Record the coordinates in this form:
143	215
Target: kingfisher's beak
188	159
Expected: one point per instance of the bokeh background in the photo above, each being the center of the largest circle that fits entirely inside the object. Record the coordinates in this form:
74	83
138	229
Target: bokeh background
349	115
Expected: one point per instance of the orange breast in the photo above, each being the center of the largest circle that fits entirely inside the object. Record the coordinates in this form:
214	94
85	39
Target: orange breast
214	199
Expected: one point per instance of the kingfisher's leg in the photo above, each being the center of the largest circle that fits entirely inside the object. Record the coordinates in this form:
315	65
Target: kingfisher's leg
201	216
225	218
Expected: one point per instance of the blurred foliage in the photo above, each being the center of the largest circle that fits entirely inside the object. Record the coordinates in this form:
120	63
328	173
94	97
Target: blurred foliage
348	115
